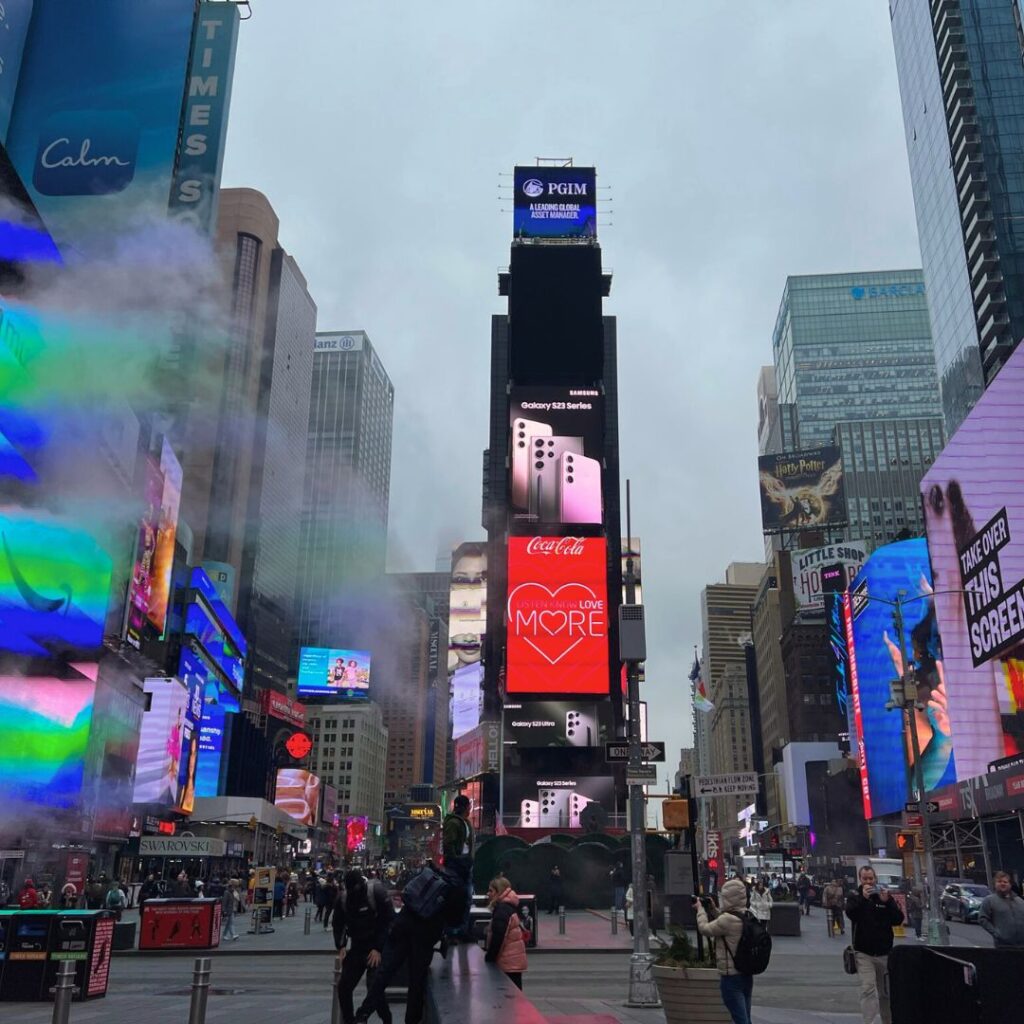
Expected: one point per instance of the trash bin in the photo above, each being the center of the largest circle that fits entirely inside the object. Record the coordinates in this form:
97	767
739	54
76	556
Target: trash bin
85	937
180	924
28	944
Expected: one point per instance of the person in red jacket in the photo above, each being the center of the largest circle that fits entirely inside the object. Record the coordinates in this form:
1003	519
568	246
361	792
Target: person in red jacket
28	898
505	944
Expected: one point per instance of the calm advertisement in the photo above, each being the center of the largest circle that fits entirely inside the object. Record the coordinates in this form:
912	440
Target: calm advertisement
875	660
94	129
555	202
974	516
802	490
557	439
557	615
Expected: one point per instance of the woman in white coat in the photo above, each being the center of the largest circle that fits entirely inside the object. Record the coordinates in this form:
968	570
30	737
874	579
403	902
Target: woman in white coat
761	904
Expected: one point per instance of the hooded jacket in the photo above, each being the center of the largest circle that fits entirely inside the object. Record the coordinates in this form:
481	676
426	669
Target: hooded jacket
505	944
726	927
363	916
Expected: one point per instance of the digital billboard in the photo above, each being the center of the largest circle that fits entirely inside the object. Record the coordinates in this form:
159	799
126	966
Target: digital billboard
334	673
556	800
160	742
298	794
557	615
355	833
557	455
467	623
875	660
555	202
974	517
166	531
329	806
808	587
554	723
46	723
54	586
194	675
140	586
802	490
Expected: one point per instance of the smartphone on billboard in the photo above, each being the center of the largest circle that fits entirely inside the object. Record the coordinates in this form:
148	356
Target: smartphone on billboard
544	473
580	728
554	807
523	432
577	802
579	489
529	813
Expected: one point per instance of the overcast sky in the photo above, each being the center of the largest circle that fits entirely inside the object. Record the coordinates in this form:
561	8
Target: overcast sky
739	142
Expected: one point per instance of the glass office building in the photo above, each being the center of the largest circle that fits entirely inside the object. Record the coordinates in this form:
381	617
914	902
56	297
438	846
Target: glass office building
853	347
962	87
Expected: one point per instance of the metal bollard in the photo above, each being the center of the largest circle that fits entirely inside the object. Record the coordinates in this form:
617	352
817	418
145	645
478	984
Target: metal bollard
615	921
200	990
307	922
63	991
335	1001
561	920
668	916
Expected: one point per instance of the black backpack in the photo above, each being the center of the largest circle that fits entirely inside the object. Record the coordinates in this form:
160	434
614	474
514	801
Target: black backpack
432	891
754	949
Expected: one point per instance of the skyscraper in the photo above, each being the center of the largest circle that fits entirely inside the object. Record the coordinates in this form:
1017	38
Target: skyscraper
962	88
343	525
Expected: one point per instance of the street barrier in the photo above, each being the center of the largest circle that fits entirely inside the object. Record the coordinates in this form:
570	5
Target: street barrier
561	920
200	990
615	921
306	921
63	992
335	1001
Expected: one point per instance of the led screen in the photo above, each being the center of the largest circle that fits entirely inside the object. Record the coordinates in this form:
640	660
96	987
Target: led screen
553	723
214	641
211	748
557	801
557	617
46	724
557	453
298	794
355	833
160	742
334	672
54	587
974	516
555	202
140	588
467	622
167	527
802	490
195	675
202	583
808	587
875	661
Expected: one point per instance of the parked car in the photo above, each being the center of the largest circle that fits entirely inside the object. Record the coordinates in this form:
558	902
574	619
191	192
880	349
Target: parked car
962	901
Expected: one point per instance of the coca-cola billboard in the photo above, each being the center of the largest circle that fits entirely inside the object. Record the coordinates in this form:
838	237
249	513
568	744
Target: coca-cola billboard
557	615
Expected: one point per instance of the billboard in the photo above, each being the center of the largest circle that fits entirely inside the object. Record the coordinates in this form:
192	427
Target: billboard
329	806
557	801
556	454
355	833
45	739
54	586
557	615
808	587
160	742
974	517
467	623
94	127
802	490
556	723
140	586
166	531
555	202
195	676
875	660
334	672
277	705
297	793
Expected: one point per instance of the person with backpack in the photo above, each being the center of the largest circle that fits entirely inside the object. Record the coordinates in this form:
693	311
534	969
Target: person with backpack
115	901
505	945
228	905
363	917
741	943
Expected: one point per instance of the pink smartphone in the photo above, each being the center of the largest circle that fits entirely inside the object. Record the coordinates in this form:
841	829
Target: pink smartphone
579	489
554	807
529	813
576	804
522	433
545	453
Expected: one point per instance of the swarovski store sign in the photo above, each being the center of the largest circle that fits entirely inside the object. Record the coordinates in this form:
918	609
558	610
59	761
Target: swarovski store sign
181	846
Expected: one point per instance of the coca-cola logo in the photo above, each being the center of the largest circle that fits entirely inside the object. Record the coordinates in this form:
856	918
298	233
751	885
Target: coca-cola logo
568	546
555	621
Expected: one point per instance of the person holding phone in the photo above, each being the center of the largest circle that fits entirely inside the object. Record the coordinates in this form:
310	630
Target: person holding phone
873	913
724	927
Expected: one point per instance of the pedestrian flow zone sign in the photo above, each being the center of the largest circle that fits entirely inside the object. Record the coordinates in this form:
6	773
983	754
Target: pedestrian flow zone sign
735	784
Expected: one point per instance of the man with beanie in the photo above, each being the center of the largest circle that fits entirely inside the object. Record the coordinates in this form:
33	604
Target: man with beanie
362	918
724	929
874	914
457	853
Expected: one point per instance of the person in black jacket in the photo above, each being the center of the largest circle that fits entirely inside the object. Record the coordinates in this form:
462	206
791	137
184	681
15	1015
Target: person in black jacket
362	917
874	914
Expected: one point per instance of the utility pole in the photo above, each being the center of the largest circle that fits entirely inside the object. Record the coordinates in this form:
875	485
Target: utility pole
938	930
632	650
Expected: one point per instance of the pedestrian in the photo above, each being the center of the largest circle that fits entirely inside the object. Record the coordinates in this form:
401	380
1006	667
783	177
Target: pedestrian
1002	913
229	905
69	896
215	890
833	898
149	890
28	897
319	896
182	888
115	901
555	892
363	917
330	899
291	898
915	911
457	841
618	879
725	927
505	944
804	893
279	897
873	913
761	904
93	894
628	901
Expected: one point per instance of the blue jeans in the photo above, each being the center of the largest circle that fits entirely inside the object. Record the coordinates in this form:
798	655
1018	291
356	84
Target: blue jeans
737	990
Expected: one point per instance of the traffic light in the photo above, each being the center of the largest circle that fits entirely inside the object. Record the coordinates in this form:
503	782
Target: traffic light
675	814
906	842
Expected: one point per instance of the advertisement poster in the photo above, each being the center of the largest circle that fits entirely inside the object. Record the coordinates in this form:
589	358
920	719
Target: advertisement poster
807	566
160	742
54	587
167	529
467	623
334	672
298	794
556	801
974	516
555	202
557	455
553	723
802	490
193	674
180	924
99	965
355	834
140	588
329	807
557	616
875	660
263	892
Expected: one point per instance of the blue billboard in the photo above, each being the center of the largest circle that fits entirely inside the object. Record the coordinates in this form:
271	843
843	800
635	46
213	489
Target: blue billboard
334	673
875	661
555	202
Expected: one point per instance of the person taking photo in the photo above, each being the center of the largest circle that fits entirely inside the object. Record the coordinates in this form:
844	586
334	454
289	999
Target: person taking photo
873	913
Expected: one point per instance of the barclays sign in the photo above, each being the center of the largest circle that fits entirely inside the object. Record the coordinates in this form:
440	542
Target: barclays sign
885	291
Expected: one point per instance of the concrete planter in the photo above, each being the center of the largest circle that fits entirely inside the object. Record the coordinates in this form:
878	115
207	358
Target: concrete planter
690	995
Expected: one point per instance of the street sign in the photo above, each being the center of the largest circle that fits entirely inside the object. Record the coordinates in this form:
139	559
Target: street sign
912	806
618	750
641	775
913	820
932	806
735	784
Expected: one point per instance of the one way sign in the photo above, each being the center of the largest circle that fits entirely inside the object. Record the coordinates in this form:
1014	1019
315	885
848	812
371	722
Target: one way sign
618	751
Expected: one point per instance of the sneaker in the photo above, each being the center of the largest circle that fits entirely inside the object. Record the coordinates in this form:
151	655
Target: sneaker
443	947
